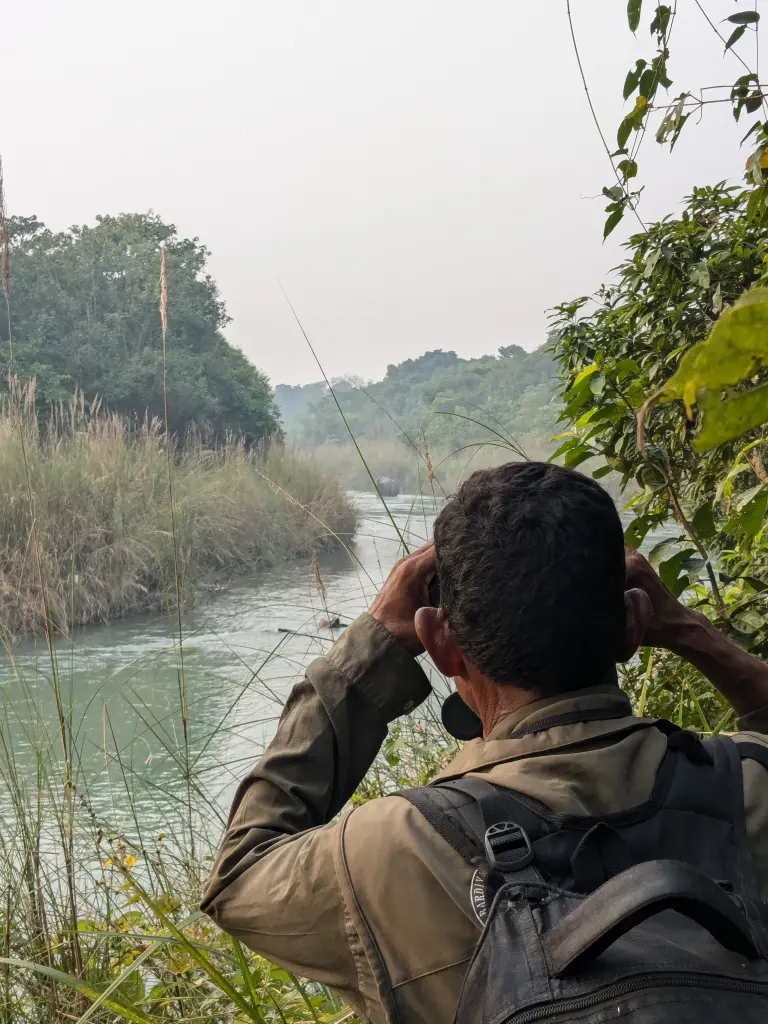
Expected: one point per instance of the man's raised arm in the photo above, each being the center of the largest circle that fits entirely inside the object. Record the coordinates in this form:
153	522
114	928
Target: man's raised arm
274	875
741	678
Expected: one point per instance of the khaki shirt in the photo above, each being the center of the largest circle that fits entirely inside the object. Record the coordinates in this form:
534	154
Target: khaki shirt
376	904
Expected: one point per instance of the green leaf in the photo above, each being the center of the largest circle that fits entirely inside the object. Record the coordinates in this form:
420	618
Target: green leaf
612	221
615	193
586	372
748	621
749	495
633	78
650	262
634	9
650	476
648	83
744	18
576	456
660	23
755	128
114	1005
693	563
628	169
756	203
725	486
735	36
723	421
703	521
660	552
625	130
669	572
750	521
601	472
626	368
635	533
699	274
737	346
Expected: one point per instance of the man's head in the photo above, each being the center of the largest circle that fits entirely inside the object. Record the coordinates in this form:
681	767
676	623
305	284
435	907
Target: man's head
530	558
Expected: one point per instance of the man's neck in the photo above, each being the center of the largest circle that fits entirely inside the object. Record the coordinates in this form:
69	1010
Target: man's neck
509	701
494	702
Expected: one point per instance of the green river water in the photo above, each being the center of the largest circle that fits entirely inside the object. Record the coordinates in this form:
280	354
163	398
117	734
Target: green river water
120	683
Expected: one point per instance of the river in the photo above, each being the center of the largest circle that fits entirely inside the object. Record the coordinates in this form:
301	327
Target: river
120	685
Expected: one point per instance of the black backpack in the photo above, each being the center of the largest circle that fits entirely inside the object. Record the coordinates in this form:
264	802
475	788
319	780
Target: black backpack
653	914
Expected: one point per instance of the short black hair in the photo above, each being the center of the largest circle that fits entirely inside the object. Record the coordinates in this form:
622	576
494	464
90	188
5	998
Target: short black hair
530	558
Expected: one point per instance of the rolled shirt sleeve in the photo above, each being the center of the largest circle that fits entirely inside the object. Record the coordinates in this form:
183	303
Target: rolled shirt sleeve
274	882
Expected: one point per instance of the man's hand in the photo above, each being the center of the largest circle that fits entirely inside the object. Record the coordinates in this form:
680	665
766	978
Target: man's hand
671	620
405	591
741	678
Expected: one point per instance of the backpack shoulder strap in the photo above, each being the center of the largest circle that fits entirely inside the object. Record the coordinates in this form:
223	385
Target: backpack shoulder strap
489	826
727	757
443	815
753	752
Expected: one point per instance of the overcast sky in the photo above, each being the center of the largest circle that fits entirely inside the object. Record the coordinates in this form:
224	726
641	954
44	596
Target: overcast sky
418	173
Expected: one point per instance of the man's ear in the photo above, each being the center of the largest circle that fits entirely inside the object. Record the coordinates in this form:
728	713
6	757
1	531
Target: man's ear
639	614
435	635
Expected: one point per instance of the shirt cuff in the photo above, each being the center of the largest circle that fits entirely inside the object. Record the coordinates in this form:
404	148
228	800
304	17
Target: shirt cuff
370	658
755	721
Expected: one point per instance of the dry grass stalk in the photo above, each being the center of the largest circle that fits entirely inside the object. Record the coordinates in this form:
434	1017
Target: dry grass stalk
4	243
428	462
318	578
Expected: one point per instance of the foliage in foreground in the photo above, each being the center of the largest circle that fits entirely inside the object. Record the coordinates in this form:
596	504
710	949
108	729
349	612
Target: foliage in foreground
738	35
84	313
125	942
679	276
98	494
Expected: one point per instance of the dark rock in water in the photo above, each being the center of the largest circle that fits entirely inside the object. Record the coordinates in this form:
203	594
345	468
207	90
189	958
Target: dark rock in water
215	588
389	487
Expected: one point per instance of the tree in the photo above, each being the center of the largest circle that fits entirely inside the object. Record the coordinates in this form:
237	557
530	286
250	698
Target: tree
664	373
680	273
85	315
643	87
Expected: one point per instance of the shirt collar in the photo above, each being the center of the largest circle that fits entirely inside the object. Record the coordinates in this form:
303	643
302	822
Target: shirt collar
498	747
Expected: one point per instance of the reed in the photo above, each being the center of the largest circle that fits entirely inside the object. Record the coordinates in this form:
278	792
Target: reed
89	492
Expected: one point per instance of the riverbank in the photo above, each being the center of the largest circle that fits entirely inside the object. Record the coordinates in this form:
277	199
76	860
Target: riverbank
107	538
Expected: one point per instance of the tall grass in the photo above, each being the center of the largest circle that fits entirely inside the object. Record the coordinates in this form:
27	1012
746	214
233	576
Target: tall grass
106	525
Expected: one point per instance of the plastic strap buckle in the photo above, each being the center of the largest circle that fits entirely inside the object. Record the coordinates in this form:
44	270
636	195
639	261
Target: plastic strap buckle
508	847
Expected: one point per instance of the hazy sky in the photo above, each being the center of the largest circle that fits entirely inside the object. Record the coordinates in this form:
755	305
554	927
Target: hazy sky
418	174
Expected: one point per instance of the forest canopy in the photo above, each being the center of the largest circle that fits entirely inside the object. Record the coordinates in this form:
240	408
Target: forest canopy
84	305
449	400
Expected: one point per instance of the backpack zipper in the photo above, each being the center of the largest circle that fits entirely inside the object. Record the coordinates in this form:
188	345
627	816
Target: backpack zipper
623	988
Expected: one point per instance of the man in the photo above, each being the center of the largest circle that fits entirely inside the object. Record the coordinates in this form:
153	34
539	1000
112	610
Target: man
538	603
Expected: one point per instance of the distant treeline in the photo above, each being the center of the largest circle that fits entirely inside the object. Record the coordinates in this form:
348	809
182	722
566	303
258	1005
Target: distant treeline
450	401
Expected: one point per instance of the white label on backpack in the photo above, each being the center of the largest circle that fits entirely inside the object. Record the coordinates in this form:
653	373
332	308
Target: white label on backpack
478	898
